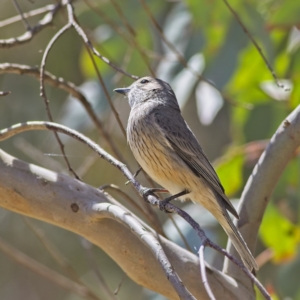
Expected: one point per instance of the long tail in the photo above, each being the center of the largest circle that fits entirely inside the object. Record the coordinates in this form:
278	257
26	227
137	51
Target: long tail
238	241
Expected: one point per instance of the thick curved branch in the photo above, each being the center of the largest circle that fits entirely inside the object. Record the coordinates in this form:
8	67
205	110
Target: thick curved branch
113	211
68	203
261	183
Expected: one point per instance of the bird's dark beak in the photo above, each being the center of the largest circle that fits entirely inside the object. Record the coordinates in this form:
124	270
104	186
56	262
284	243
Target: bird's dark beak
123	91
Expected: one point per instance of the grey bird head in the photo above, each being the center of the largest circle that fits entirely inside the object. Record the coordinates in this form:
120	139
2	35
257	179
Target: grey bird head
148	89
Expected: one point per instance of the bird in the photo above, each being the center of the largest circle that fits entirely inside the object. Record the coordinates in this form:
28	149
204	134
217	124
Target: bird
168	151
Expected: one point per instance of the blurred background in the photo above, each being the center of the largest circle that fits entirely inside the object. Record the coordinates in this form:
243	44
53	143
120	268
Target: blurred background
227	95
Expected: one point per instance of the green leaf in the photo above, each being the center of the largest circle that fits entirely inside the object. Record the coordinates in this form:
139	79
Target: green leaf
278	233
230	171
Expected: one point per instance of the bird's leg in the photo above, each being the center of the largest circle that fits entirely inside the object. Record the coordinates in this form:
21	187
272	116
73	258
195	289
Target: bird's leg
146	191
137	172
163	203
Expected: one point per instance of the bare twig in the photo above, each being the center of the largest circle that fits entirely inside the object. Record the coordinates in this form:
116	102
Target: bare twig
31	13
116	114
70	88
131	41
29	34
153	200
203	273
127	197
207	242
83	35
46	272
132	32
179	56
18	8
123	18
234	13
116	292
43	92
37	155
187	246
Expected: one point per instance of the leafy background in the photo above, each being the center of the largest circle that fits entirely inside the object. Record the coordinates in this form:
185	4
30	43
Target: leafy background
234	118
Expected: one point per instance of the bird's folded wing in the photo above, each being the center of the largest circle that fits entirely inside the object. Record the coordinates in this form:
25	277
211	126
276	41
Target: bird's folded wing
184	143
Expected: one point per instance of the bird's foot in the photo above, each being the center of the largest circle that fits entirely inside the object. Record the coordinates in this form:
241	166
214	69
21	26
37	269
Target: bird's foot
163	203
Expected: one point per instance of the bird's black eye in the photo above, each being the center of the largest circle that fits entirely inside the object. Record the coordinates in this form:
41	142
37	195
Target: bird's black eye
144	81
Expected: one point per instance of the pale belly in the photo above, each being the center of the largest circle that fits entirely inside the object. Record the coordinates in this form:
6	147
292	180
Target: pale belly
167	169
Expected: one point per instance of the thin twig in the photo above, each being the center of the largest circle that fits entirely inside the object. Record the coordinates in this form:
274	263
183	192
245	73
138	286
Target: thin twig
44	96
127	197
116	291
83	35
187	246
179	56
234	13
203	273
36	154
116	114
209	243
153	200
70	88
31	13
131	31
123	18
132	41
29	34
18	8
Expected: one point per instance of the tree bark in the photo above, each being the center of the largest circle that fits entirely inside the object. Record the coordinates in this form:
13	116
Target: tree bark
68	203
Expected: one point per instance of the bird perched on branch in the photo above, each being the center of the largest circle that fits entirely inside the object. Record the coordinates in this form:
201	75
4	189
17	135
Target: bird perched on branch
169	152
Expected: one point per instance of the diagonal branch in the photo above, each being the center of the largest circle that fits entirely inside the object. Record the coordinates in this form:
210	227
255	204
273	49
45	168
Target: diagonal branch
258	48
82	34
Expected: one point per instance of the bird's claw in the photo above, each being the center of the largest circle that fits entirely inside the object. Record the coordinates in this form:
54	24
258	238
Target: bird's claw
163	205
146	192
